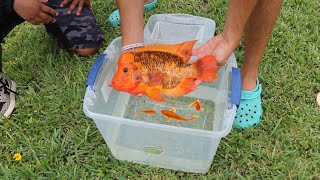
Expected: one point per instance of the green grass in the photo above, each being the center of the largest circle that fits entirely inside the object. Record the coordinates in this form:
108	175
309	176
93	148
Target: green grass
58	141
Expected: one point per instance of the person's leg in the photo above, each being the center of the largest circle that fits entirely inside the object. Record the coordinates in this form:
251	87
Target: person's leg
131	23
114	18
257	33
80	34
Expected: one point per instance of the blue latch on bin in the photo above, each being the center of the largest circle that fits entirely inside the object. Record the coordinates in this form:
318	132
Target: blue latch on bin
236	86
94	70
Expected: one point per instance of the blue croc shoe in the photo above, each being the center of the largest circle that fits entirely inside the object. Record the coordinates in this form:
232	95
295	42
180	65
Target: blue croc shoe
250	110
114	18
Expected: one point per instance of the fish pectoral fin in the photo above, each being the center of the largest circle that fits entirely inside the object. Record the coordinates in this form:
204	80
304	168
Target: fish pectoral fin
186	86
155	95
168	119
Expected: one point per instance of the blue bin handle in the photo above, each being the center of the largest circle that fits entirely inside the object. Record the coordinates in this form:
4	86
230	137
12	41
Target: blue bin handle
94	70
236	86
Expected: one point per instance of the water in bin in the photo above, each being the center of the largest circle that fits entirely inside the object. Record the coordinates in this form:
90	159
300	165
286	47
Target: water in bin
165	30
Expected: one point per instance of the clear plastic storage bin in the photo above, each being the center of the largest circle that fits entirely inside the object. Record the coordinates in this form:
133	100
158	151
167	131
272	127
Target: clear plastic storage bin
187	146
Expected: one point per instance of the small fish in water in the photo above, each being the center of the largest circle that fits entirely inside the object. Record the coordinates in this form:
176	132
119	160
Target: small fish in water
157	70
172	114
197	104
148	111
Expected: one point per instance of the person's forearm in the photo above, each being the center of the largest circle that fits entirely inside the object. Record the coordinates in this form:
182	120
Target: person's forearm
237	17
131	21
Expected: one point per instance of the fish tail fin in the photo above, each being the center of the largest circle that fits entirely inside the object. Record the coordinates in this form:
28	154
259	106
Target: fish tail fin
206	69
194	117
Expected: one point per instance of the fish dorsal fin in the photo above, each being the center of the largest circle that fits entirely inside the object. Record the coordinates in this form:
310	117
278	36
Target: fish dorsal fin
183	50
173	110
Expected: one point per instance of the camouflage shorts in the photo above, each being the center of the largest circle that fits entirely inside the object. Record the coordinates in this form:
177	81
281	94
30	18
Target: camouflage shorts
72	31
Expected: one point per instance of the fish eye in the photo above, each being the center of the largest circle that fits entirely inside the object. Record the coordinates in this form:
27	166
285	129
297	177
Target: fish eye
125	70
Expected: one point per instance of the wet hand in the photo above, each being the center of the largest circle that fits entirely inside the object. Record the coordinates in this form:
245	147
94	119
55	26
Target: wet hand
218	47
76	3
35	11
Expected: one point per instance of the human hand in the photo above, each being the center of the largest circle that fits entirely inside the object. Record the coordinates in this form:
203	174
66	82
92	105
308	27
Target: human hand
74	4
218	47
34	11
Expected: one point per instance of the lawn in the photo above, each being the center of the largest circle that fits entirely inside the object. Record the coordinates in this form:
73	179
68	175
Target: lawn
58	141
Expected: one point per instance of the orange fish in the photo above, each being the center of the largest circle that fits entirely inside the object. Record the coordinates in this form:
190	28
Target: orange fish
157	70
148	111
197	104
172	114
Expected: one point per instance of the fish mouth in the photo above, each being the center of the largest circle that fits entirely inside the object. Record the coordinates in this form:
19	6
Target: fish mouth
121	88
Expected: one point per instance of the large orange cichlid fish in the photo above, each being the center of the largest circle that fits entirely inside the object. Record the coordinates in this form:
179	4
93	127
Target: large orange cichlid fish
157	70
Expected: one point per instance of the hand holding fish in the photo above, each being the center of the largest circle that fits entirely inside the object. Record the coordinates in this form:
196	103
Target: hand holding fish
218	46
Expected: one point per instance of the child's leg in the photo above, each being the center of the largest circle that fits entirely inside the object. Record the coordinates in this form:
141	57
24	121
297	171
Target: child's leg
80	34
131	22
